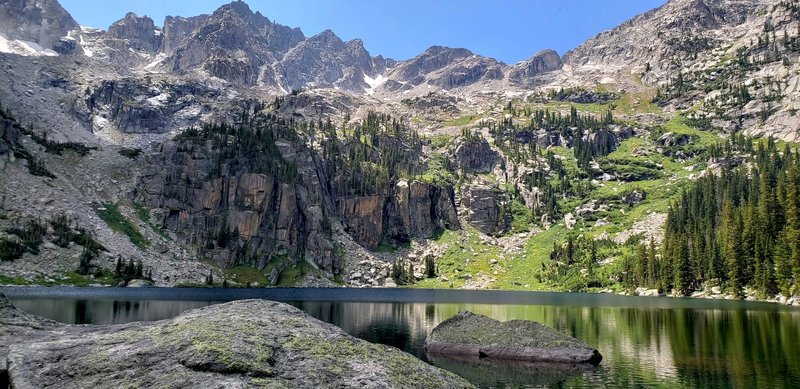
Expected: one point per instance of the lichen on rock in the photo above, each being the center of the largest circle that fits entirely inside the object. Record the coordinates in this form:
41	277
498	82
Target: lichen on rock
250	343
468	334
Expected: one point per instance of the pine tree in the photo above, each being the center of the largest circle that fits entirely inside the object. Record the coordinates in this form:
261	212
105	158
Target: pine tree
793	223
650	278
684	277
641	265
733	247
783	265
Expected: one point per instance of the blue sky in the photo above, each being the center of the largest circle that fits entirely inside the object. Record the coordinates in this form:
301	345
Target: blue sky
509	30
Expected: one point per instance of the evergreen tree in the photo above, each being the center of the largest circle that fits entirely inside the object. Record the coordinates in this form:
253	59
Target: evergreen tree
783	265
732	235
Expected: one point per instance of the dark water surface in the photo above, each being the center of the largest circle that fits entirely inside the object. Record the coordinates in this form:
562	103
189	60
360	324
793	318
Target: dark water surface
645	341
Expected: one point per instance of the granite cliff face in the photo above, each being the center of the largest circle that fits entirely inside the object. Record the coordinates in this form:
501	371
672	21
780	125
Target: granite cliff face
262	200
661	34
529	71
139	32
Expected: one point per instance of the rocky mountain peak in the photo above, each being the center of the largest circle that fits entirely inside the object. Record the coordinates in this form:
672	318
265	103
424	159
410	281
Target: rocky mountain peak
140	31
327	38
542	62
238	7
432	59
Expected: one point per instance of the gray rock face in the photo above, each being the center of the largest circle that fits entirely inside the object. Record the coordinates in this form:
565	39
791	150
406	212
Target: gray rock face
671	139
234	44
325	60
656	35
141	106
484	208
476	156
177	29
195	197
543	62
468	334
412	210
252	343
41	21
447	68
139	31
8	137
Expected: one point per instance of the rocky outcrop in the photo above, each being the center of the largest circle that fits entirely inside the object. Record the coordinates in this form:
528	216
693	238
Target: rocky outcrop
177	29
657	35
325	60
146	107
239	344
234	44
446	68
543	62
671	139
468	334
8	137
412	210
434	103
476	156
362	217
423	209
233	215
485	206
43	22
140	32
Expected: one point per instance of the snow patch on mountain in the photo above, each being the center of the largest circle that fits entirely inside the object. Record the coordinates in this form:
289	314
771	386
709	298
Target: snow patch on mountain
373	83
19	47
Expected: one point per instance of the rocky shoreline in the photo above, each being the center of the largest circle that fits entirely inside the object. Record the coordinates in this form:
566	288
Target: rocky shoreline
714	293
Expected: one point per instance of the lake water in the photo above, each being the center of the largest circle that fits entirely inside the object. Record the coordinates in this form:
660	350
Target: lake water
645	341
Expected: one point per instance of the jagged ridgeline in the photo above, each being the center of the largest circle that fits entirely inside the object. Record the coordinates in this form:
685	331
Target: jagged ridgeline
264	191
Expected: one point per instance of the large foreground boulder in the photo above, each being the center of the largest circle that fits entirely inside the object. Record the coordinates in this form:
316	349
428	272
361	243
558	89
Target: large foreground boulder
251	343
470	335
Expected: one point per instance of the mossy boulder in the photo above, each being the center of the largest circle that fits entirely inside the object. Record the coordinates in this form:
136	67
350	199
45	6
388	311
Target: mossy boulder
250	343
470	335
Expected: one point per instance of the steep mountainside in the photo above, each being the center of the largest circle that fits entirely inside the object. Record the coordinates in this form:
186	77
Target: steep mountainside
227	147
702	54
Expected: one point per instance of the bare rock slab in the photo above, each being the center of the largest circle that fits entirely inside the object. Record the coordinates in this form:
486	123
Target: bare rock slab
241	344
471	335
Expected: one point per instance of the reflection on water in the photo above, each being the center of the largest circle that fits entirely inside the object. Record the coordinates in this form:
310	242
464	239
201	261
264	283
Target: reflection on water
104	311
745	345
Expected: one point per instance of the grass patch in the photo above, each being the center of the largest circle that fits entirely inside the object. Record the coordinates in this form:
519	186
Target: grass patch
9	280
131	153
119	223
466	257
523	269
704	139
461	121
144	215
243	274
293	275
440	141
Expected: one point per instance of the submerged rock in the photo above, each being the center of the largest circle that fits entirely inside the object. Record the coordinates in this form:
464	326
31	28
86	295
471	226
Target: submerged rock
238	344
470	335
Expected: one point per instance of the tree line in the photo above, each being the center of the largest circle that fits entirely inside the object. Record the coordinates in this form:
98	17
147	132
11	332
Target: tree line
737	229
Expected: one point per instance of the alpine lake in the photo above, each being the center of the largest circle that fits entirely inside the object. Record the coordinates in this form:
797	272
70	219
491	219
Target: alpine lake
645	341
